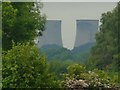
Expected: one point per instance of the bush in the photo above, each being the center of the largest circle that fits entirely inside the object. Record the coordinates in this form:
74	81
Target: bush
95	79
23	67
75	70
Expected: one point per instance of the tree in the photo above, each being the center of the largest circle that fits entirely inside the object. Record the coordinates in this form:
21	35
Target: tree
8	21
22	22
107	45
24	67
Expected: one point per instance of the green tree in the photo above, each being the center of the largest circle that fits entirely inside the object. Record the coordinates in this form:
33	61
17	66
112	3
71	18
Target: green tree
22	22
8	21
107	45
24	67
76	70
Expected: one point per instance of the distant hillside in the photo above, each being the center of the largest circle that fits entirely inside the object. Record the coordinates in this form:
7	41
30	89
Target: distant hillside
84	47
50	46
55	52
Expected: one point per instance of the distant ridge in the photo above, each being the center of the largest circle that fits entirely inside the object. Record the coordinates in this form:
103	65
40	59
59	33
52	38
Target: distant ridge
56	52
83	48
51	46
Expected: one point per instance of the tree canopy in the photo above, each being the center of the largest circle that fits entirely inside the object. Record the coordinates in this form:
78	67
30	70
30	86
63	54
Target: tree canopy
21	22
24	67
106	51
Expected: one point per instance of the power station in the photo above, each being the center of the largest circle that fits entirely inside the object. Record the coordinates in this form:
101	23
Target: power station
52	34
85	33
86	30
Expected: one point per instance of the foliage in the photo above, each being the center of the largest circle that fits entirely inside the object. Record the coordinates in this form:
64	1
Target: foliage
77	84
99	79
21	22
8	21
55	52
23	67
95	79
75	69
107	45
59	67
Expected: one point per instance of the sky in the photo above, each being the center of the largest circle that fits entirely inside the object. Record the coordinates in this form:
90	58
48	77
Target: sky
69	12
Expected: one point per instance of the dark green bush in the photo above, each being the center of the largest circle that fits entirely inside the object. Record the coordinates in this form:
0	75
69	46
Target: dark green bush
24	67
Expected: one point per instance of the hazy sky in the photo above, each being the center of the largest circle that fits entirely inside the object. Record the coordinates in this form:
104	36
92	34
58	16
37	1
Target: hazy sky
69	12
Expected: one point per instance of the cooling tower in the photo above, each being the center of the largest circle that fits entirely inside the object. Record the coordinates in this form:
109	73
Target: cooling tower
52	34
86	30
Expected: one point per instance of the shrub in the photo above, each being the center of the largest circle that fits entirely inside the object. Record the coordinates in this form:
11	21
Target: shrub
75	69
24	67
95	79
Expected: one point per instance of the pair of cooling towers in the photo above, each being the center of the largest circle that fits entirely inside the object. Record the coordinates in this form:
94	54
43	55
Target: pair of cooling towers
86	30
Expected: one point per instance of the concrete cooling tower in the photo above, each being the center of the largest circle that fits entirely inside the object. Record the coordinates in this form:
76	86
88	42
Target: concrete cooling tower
52	34
86	30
